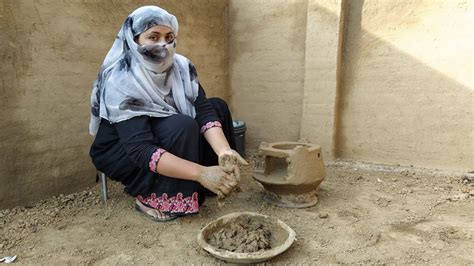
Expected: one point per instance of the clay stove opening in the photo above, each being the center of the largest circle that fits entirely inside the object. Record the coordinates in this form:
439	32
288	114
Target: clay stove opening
275	168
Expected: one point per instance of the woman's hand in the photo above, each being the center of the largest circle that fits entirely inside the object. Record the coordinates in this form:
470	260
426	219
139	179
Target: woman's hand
229	161
217	181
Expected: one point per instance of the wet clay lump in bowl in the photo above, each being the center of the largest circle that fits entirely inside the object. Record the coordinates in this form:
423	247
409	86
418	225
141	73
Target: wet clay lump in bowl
222	235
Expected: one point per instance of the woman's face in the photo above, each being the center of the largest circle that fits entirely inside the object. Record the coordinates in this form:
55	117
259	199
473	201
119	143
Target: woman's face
156	34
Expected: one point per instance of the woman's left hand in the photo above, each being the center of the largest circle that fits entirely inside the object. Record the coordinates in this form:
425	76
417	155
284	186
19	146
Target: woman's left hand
229	161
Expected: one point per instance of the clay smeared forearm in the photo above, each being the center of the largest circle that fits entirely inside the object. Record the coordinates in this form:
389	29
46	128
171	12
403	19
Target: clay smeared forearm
173	166
216	138
212	177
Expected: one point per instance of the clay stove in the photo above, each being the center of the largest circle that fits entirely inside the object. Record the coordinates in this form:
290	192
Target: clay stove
290	172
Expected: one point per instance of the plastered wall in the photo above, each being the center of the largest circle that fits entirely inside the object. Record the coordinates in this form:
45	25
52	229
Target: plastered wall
324	39
267	48
377	81
50	52
407	95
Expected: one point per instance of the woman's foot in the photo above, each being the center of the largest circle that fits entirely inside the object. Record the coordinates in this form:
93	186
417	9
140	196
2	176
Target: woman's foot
153	214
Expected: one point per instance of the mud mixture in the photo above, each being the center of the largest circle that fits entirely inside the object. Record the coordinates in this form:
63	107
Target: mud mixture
243	235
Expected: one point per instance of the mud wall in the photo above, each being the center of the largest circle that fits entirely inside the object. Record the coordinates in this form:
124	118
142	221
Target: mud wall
407	95
267	47
378	81
324	39
50	53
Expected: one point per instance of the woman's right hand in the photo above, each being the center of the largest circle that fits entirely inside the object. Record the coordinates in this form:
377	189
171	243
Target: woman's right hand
217	181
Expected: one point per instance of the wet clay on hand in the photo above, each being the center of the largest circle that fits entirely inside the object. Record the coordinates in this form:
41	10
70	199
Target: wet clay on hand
229	165
220	198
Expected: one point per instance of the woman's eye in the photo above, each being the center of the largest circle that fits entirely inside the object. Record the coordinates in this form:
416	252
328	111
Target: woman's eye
169	38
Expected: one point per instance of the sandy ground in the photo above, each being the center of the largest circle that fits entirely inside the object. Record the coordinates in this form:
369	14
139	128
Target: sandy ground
366	214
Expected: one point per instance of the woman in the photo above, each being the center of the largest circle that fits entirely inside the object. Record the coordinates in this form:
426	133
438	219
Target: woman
155	130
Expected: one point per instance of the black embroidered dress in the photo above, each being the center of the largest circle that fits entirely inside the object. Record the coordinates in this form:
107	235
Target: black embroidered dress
129	150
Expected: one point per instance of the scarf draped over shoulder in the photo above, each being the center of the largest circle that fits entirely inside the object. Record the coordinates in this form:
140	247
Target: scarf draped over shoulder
130	83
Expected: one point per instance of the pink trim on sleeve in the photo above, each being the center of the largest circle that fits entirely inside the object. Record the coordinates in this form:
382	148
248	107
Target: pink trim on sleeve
155	157
209	125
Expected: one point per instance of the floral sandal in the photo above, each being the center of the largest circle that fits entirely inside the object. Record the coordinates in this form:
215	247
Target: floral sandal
153	214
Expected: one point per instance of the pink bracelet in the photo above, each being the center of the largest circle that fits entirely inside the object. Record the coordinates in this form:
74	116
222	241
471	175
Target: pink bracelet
155	157
209	125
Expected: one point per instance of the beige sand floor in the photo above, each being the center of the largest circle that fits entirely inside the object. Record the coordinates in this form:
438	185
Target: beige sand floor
366	214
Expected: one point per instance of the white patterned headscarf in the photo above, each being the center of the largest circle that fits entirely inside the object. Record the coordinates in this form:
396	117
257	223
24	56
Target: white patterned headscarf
134	80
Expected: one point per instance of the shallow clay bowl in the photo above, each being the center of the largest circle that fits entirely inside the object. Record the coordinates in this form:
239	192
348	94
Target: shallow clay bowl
282	238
